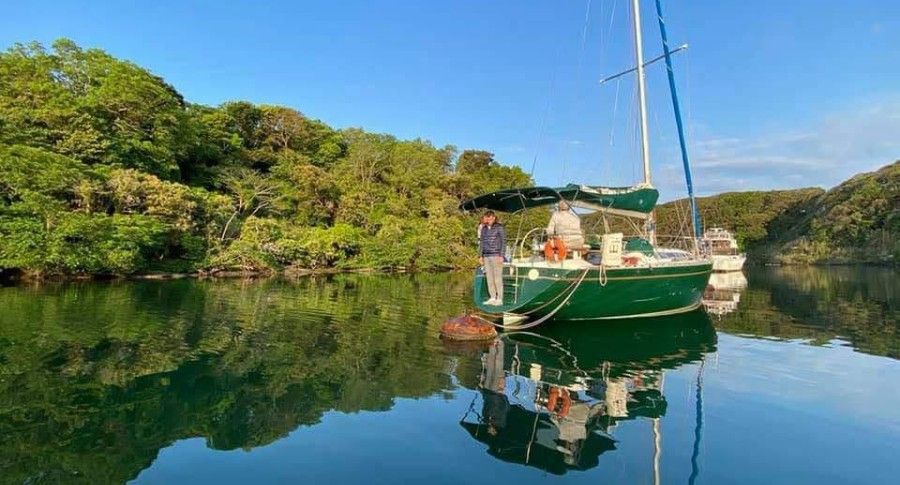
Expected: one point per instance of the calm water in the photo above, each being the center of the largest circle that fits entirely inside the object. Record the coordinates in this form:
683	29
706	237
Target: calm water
793	379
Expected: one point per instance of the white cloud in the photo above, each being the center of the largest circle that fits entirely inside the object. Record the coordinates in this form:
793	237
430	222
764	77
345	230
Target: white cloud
836	147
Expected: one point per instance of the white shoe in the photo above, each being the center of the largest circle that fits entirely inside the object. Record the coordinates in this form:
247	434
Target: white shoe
496	303
489	301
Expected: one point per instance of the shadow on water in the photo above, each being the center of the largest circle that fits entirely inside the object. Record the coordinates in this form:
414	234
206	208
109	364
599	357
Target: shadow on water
551	400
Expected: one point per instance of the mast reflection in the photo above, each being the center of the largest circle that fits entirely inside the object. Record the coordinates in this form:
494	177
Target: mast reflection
552	400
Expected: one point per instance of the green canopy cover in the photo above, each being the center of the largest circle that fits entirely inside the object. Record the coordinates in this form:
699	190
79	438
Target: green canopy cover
628	201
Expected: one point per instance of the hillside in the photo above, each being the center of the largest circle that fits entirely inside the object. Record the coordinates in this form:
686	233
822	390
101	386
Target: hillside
106	169
753	216
856	222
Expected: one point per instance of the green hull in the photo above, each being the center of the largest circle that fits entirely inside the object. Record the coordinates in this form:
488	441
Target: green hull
618	293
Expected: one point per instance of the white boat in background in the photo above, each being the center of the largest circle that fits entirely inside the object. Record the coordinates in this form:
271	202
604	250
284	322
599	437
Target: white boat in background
723	248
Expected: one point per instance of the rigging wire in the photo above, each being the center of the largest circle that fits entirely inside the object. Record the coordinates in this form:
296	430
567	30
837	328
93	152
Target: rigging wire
612	125
612	16
584	30
605	161
691	132
578	73
541	127
548	108
687	79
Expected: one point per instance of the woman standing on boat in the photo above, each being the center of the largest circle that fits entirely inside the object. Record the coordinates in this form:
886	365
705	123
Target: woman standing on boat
492	242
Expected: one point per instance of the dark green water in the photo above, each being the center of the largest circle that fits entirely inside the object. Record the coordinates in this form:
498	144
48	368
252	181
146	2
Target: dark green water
794	379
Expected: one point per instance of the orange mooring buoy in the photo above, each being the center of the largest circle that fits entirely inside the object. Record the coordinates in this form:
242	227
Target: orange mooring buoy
468	327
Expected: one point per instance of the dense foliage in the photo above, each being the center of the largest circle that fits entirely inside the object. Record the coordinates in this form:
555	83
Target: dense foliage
749	214
105	168
857	221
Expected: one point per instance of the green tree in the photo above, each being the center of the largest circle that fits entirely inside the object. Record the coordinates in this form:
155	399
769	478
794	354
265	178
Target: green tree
90	106
90	143
252	193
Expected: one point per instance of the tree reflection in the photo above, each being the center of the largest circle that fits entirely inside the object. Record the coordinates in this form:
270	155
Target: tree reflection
97	378
856	304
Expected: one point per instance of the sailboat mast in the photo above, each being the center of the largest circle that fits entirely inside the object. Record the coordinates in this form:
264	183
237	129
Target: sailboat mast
642	89
695	216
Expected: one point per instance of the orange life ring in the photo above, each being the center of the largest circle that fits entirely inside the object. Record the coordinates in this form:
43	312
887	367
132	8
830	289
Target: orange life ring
553	401
555	249
552	398
566	405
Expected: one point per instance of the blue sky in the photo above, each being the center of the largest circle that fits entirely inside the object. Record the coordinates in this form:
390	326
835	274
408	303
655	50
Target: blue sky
777	94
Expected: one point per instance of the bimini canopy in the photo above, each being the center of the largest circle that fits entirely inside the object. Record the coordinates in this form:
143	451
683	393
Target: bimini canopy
512	200
627	201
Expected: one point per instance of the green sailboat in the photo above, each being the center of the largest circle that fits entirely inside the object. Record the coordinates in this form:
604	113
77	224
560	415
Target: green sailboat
609	276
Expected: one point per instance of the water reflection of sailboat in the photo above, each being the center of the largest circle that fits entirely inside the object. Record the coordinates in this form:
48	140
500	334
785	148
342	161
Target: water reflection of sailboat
552	400
723	294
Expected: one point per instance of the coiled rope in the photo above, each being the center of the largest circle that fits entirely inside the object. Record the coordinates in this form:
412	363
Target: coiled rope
571	290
